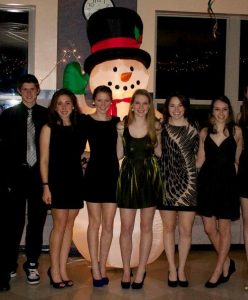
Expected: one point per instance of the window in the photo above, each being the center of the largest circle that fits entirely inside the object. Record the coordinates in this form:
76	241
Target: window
16	48
189	58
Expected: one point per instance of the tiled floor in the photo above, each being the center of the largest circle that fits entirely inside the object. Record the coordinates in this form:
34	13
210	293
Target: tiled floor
200	265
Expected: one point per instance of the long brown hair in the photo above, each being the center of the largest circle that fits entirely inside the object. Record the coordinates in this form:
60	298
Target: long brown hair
150	117
230	124
53	116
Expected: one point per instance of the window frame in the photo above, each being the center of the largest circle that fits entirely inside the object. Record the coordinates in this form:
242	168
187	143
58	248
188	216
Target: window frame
12	98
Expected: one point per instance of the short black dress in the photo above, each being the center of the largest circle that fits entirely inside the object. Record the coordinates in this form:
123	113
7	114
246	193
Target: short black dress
103	167
178	167
243	166
65	173
217	180
139	184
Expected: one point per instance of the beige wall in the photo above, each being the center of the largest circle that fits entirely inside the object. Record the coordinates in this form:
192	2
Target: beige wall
148	8
45	56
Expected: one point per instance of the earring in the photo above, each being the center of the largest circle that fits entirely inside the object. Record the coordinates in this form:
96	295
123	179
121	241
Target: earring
93	103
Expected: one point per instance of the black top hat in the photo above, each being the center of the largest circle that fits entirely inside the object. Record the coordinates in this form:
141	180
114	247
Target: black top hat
115	32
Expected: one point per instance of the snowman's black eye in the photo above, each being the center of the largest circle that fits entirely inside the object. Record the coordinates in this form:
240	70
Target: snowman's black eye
109	83
115	69
131	68
138	82
117	87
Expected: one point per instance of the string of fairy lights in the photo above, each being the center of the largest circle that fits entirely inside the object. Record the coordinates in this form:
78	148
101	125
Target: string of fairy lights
68	54
11	65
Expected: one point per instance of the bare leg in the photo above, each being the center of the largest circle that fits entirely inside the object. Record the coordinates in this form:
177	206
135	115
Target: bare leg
244	207
56	239
211	229
224	241
169	219
108	214
146	235
127	225
66	244
185	223
94	213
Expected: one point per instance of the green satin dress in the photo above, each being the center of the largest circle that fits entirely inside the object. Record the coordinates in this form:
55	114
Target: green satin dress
139	184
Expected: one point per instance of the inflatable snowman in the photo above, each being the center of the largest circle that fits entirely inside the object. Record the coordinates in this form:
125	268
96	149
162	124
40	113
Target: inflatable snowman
116	60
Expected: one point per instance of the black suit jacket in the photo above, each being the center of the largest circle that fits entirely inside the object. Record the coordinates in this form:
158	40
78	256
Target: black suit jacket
13	138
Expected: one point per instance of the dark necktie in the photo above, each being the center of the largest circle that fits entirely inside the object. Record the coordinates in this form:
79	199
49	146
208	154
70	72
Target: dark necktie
31	147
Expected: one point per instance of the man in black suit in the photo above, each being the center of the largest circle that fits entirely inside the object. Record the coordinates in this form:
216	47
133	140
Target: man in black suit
20	127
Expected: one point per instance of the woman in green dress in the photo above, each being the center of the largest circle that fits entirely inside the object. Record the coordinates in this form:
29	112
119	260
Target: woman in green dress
139	185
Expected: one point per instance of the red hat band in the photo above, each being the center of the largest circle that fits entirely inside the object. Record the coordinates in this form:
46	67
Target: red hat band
116	42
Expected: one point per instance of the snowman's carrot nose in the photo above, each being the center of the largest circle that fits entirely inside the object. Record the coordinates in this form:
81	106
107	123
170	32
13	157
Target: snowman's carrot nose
126	76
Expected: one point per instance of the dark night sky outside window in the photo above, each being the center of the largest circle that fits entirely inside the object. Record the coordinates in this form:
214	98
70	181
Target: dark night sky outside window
189	58
243	67
13	49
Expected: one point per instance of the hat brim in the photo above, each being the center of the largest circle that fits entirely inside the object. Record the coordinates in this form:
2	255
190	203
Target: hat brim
115	53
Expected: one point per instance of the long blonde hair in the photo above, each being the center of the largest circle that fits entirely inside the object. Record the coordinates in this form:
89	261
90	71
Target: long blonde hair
150	117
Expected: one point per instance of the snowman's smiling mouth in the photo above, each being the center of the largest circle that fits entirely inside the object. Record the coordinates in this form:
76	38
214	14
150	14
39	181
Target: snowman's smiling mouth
123	87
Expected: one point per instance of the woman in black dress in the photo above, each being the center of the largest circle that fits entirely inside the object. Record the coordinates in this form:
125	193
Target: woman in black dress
139	184
218	157
100	181
60	166
243	170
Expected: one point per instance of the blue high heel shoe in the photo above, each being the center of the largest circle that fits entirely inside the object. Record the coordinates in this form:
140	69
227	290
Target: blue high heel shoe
97	282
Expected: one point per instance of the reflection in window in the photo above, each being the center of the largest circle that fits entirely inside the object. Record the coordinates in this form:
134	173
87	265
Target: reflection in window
189	58
243	67
13	47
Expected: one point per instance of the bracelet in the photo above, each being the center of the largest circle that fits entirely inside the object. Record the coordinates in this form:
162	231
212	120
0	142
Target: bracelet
45	183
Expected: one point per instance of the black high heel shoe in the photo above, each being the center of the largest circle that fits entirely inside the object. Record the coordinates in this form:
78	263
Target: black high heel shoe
182	283
68	283
171	283
139	285
231	270
127	284
212	285
97	282
56	285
